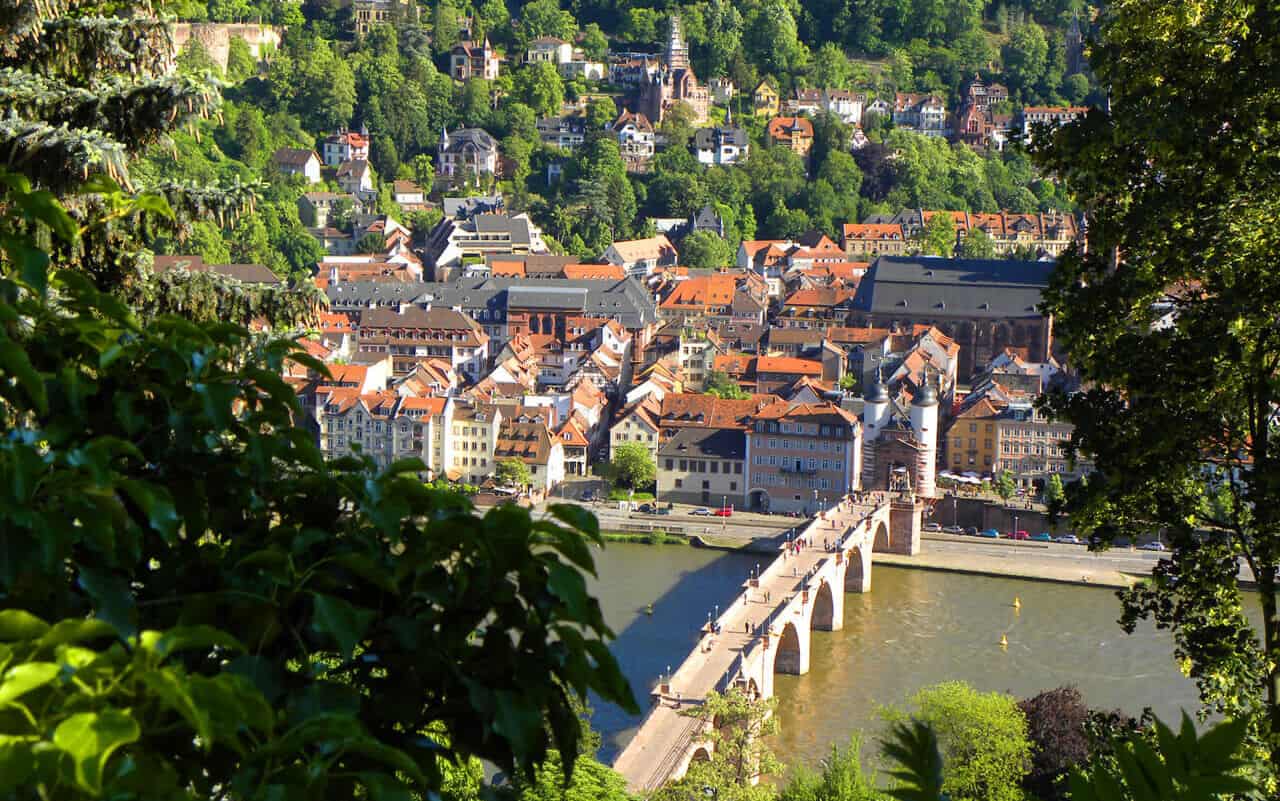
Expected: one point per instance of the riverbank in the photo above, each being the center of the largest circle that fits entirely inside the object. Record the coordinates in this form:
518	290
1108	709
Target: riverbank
1033	562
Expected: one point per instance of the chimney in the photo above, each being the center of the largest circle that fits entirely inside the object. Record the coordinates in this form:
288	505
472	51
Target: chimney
402	307
335	275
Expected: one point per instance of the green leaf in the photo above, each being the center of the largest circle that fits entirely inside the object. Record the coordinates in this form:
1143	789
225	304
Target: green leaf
204	638
113	598
69	631
382	787
90	738
24	678
578	517
19	624
340	620
172	687
570	587
155	503
16	761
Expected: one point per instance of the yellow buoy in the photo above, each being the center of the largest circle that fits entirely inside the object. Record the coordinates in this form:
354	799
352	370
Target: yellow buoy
1017	602
649	609
1004	641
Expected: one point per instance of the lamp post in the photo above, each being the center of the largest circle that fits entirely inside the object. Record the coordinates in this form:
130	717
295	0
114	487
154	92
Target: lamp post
954	513
724	517
1015	523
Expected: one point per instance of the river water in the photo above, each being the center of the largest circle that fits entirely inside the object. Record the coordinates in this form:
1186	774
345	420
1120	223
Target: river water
915	628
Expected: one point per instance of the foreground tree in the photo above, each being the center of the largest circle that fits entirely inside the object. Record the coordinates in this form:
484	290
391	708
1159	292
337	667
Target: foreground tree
1171	315
632	464
983	737
740	752
512	473
1057	725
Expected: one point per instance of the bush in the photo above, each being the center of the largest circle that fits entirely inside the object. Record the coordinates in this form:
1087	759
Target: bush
983	738
1056	725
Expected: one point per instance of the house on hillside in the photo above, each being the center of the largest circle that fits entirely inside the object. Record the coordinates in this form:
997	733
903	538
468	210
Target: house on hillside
467	154
355	177
298	161
724	146
469	59
344	146
635	140
640	257
765	101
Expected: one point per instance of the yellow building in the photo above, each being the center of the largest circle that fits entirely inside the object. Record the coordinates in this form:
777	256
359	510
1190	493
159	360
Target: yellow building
971	439
765	100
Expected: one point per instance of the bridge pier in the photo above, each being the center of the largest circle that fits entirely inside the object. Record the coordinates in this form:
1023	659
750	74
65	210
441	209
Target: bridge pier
791	653
857	571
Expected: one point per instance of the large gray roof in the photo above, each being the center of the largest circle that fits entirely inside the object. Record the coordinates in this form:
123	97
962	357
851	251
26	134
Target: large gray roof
622	299
965	288
714	443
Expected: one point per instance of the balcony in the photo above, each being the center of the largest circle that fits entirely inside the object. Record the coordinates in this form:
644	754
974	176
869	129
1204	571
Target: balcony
798	468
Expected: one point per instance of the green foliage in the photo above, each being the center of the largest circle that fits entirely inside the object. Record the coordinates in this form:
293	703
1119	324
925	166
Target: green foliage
915	748
216	602
841	779
1177	767
540	87
632	464
1180	223
512	473
717	383
591	781
1004	485
371	242
705	250
240	61
546	18
740	751
1026	57
1054	493
983	737
978	244
938	237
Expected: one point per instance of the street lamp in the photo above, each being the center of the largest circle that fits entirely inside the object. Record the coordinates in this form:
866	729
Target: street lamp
954	514
1015	523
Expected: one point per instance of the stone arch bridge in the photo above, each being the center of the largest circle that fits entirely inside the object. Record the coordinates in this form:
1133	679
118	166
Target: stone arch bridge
768	628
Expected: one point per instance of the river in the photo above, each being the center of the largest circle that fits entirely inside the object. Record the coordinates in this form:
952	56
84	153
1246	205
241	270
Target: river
915	628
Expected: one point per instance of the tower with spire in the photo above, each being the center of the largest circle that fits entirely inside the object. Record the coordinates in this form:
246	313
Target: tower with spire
677	50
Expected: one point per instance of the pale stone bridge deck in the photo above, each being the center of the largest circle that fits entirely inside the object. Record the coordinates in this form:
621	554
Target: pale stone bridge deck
759	637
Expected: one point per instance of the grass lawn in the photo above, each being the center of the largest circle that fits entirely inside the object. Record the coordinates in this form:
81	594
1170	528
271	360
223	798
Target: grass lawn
623	495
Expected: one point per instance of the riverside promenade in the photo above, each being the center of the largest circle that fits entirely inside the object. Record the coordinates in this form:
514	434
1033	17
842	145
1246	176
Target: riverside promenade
767	629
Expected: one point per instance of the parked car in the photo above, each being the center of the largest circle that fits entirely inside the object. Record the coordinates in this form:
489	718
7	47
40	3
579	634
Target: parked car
648	509
724	511
989	533
953	529
1043	536
932	527
663	510
1020	534
588	495
971	531
701	511
1068	539
1152	546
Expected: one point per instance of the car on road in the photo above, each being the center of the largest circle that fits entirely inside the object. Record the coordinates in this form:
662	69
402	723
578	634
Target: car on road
989	533
1152	546
1020	534
1043	536
588	495
971	531
701	511
1068	539
648	509
662	510
724	511
953	529
932	527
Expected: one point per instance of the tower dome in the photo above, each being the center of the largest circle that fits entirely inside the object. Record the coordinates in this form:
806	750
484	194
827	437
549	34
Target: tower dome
877	392
928	396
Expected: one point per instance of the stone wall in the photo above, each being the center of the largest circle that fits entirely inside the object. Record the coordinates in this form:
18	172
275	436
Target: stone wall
215	37
987	514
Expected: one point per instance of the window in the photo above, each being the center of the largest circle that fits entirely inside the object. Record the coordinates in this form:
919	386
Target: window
706	484
737	468
973	428
684	465
715	467
733	486
679	483
670	464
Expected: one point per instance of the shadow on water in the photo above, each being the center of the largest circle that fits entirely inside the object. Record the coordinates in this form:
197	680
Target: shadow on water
684	584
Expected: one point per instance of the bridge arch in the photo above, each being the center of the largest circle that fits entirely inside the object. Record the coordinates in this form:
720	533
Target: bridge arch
791	655
827	612
882	541
700	754
857	571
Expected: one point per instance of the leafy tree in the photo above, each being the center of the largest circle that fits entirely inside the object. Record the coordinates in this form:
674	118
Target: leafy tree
546	18
372	242
194	60
495	21
841	779
595	45
1026	57
717	383
193	595
738	728
1076	88
983	737
703	249
938	237
1004	485
632	465
1180	223
540	87
1054	493
771	39
1056	724
240	61
977	244
831	68
512	473
424	171
1181	767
